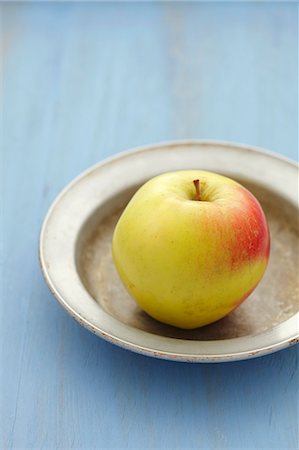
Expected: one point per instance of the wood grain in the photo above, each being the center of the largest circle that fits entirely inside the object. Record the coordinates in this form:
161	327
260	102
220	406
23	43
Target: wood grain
81	82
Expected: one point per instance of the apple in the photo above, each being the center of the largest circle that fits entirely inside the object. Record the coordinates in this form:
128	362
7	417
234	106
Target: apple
191	246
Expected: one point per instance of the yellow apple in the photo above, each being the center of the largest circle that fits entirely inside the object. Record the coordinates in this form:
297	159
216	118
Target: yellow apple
191	246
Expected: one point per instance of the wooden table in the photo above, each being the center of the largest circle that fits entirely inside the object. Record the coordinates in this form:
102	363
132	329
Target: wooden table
82	82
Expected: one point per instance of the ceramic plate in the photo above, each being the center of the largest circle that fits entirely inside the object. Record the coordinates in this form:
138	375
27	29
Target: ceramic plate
75	253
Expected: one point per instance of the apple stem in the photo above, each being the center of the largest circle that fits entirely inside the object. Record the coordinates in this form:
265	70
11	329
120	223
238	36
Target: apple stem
197	189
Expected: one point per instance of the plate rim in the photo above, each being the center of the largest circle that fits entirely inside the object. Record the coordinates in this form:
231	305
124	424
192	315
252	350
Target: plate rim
294	338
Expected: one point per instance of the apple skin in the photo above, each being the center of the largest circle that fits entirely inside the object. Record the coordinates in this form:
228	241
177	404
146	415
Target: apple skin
189	262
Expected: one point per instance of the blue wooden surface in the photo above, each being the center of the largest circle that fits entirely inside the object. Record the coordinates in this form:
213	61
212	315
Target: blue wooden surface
81	82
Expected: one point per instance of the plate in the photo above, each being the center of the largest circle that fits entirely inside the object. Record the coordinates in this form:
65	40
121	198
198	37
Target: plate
75	253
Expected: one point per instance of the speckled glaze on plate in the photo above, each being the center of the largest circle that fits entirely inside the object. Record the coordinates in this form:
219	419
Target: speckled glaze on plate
75	253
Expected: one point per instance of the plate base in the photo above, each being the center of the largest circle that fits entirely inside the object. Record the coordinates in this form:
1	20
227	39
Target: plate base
272	302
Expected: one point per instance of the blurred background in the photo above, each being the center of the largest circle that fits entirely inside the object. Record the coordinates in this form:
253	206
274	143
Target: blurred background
82	81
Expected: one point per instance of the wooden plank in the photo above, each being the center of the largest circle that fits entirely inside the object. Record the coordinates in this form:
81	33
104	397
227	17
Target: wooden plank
81	82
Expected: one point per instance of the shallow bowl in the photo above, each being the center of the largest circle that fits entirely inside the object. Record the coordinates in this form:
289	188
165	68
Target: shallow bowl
75	253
